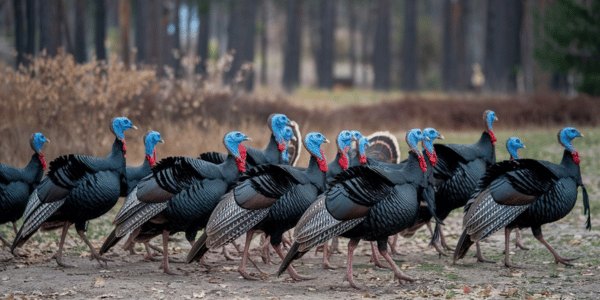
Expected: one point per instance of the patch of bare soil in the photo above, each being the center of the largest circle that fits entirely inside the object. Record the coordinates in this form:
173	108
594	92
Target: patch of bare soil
129	276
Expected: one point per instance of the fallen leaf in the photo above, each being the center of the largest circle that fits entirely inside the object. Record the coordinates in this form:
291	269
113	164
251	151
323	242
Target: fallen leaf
99	282
199	295
466	289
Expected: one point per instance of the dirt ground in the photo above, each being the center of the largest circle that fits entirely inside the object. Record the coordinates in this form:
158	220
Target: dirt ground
129	276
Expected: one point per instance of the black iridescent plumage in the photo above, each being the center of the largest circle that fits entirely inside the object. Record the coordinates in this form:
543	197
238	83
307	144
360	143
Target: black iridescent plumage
17	184
367	203
77	189
523	193
178	196
269	198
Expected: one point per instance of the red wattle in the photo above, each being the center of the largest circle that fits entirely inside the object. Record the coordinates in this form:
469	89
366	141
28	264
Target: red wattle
343	160
281	146
432	157
240	160
322	162
124	148
363	159
575	156
492	137
151	159
42	161
422	163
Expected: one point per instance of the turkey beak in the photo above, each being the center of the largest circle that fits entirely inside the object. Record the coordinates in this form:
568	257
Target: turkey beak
495	119
47	140
441	137
524	146
581	135
161	141
134	127
248	139
294	138
326	141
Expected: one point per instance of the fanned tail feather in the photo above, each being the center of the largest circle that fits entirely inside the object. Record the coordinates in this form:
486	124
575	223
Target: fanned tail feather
198	249
383	146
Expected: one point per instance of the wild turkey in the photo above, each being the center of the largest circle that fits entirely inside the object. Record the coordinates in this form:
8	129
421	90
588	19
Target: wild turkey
135	174
179	196
77	189
367	203
456	174
383	146
269	198
274	152
17	184
525	193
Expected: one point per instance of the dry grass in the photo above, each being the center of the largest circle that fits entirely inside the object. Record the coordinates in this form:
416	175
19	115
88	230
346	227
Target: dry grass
72	104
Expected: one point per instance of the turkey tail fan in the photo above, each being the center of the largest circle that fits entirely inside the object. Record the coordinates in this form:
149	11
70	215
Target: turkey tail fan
198	249
586	208
37	214
383	146
292	255
295	147
110	241
463	245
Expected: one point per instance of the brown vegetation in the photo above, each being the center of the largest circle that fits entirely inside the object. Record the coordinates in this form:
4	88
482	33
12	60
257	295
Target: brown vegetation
72	104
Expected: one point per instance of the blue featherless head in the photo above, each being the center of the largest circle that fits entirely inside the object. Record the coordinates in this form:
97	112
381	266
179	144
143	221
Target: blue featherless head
363	143
513	144
566	136
432	134
232	141
490	117
344	140
313	142
150	140
37	141
278	123
356	135
413	137
120	125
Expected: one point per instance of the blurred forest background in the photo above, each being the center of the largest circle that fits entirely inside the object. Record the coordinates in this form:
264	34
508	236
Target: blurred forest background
511	46
198	68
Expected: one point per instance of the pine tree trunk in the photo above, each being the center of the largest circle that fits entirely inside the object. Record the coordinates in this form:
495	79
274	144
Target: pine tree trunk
292	46
241	32
141	23
80	31
124	17
100	29
382	51
451	45
176	61
325	59
352	21
264	41
30	15
409	47
19	11
203	35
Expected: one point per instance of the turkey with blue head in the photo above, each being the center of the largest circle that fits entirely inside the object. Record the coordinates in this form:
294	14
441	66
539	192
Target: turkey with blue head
367	203
16	184
135	174
270	198
179	195
78	188
274	151
457	171
525	193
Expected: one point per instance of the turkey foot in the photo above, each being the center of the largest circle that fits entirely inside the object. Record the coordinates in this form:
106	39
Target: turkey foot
58	255
326	263
351	247
94	254
537	232
397	272
518	241
480	257
375	257
291	270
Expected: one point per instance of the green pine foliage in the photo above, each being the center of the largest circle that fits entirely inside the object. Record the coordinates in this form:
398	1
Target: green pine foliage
570	41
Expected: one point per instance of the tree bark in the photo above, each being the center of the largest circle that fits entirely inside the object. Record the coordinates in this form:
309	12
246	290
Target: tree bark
352	25
141	23
241	32
325	59
80	31
19	11
30	14
264	41
293	45
100	29
503	44
409	47
381	53
203	35
176	60
124	17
